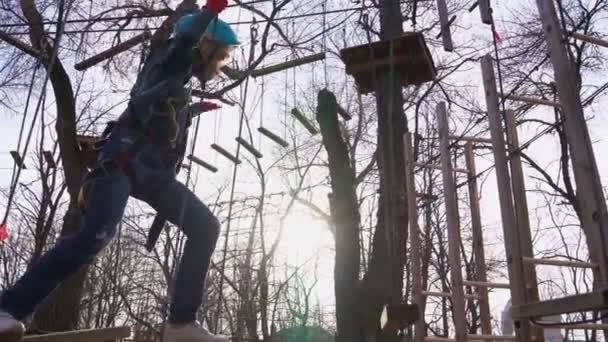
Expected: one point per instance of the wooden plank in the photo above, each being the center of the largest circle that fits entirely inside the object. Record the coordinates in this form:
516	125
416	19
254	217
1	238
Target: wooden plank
530	100
249	147
583	302
288	65
589	39
304	121
555	262
446	32
449	191
448	295
273	137
486	11
344	114
113	51
414	231
202	163
438	167
487	284
522	215
523	329
478	246
92	335
588	182
471	139
225	153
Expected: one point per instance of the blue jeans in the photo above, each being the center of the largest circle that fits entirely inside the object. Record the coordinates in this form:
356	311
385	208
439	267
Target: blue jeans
152	182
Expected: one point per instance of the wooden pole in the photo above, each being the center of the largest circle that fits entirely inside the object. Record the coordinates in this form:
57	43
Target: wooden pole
273	137
304	121
202	163
225	153
449	191
485	11
590	40
522	215
113	51
446	33
523	329
480	257
530	100
564	263
410	182
588	183
287	65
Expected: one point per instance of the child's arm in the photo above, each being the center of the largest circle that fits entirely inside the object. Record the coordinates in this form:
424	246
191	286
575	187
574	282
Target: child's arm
188	31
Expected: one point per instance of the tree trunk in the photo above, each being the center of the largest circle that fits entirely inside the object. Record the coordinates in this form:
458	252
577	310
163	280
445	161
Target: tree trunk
344	212
60	311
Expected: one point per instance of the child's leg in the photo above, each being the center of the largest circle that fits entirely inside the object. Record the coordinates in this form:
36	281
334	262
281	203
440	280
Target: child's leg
107	199
181	207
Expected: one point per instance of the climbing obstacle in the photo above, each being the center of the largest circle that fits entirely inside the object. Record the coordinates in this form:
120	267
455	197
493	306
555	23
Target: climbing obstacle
116	334
408	55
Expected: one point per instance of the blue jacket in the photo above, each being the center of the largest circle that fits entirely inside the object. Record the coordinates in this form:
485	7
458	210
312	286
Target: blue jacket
166	70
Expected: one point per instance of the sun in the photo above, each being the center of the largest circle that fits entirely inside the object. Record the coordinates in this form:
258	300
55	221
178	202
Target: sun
308	244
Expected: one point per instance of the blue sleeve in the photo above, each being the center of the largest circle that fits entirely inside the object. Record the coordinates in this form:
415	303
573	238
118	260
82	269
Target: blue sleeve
188	31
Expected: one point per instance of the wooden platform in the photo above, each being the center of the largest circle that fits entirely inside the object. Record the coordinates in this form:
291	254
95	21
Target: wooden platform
398	317
411	58
92	335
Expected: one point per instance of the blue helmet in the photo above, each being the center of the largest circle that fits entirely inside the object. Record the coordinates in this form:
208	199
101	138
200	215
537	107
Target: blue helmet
217	28
222	32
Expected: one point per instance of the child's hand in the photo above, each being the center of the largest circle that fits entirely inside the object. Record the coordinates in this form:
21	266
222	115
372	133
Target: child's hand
216	6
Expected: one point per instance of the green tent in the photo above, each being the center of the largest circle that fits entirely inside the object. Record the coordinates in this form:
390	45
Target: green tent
304	334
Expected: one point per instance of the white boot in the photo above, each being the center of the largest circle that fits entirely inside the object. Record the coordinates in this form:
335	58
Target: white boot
11	330
190	332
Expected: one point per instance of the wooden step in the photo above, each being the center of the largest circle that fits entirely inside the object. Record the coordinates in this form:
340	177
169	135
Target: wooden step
577	303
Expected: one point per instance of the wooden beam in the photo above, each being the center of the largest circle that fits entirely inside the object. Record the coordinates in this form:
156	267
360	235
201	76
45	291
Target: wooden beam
414	231
446	33
588	182
567	326
202	163
471	139
287	65
478	245
448	295
304	121
583	302
438	167
522	216
113	51
554	262
487	284
273	137
225	153
92	335
523	329
249	147
530	100
589	39
451	206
